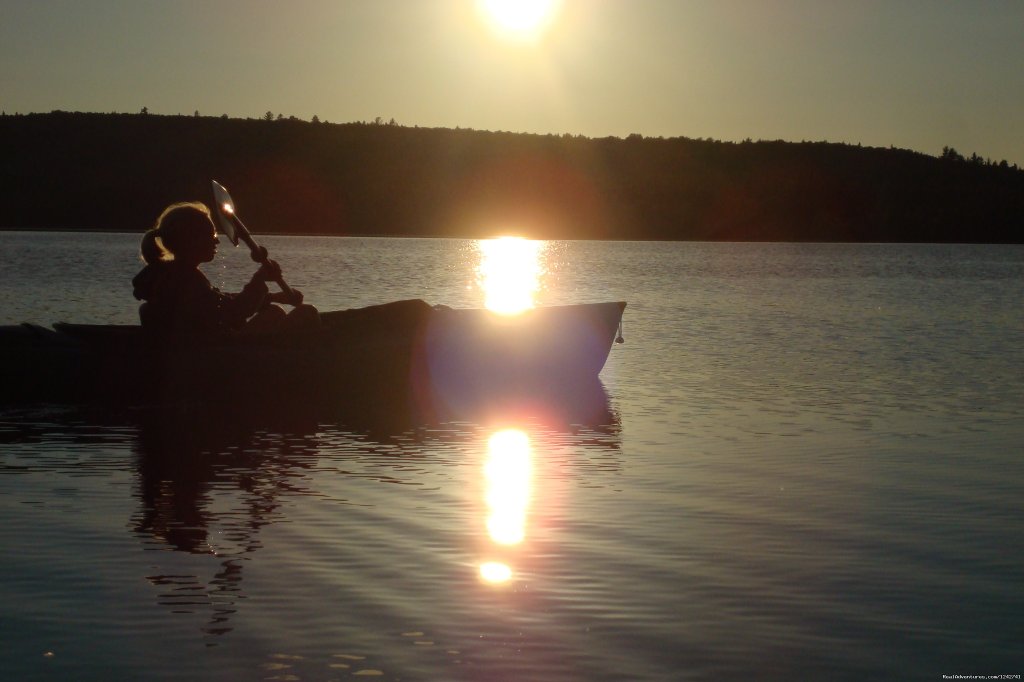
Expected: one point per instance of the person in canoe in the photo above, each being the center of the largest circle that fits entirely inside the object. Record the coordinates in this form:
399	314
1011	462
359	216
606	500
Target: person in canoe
179	299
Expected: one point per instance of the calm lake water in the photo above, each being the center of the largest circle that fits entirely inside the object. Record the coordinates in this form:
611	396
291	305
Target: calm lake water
806	465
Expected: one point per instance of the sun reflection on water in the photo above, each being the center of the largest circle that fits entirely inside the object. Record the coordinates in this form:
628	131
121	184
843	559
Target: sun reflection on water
509	273
508	480
495	572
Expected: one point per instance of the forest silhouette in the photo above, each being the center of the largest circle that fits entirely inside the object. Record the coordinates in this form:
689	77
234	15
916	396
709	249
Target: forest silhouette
117	171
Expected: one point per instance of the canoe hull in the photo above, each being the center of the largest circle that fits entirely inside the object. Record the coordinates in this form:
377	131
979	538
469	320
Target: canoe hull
373	354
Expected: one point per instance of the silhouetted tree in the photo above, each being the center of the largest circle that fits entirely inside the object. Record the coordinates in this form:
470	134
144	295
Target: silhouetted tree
950	154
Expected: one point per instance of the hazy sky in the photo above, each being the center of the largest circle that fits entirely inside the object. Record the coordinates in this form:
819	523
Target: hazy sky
918	74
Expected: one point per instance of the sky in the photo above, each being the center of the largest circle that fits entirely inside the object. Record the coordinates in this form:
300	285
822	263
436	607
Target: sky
914	74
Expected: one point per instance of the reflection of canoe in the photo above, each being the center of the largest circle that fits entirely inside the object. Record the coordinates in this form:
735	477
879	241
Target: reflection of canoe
355	355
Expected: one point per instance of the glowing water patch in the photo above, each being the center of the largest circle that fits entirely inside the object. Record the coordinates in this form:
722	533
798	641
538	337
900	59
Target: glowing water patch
495	572
509	273
508	475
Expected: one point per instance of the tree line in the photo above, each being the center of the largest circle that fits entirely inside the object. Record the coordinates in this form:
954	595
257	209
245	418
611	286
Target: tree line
117	171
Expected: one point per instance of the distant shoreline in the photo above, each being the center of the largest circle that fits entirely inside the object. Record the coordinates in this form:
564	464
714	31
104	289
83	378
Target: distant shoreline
378	179
456	238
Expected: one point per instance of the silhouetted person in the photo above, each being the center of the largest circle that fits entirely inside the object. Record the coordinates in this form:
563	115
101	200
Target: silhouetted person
178	298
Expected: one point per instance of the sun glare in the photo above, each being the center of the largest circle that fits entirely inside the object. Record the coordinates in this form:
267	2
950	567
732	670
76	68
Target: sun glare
524	19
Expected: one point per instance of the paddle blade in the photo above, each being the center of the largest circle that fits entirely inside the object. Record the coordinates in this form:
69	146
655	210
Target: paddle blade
224	207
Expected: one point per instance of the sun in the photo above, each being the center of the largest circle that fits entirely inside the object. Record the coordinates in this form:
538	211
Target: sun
523	19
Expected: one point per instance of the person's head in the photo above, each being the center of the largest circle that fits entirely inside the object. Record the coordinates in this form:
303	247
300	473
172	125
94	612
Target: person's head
183	232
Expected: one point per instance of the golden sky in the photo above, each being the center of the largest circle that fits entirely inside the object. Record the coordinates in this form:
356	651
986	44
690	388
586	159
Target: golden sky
917	74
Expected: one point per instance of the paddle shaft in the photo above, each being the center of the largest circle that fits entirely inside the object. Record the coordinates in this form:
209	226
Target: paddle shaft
259	254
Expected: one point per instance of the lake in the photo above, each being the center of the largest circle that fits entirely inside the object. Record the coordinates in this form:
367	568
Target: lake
806	463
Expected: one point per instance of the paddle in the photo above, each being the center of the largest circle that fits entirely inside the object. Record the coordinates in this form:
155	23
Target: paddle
234	229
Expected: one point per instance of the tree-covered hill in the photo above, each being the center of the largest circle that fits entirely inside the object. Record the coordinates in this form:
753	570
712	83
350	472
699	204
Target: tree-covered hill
117	171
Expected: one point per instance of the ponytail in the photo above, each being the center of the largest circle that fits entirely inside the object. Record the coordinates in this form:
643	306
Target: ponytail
151	249
173	225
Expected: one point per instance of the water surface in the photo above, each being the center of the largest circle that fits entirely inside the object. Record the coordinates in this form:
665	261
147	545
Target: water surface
804	463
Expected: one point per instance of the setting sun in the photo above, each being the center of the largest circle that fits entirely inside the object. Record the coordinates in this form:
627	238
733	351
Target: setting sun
519	18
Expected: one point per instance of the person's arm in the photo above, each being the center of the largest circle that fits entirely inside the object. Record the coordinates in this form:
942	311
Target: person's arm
282	297
234	309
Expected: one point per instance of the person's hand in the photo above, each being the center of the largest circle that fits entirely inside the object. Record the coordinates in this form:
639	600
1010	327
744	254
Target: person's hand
291	297
269	271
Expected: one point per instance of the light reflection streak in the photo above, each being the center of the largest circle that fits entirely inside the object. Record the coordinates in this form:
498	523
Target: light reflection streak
509	273
495	572
508	479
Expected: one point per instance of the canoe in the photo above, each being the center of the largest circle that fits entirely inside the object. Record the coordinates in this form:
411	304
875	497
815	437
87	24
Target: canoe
382	352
